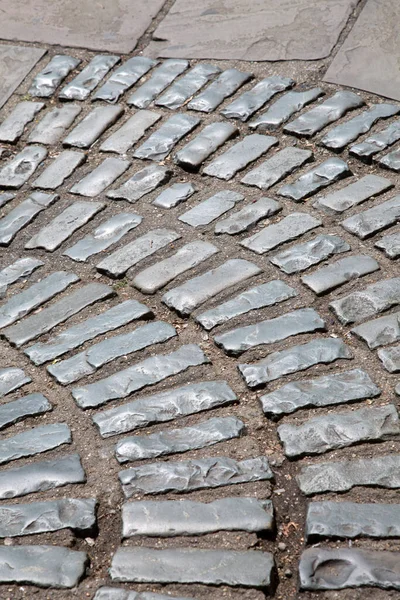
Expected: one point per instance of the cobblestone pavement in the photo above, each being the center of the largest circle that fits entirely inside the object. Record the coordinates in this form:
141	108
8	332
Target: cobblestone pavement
199	333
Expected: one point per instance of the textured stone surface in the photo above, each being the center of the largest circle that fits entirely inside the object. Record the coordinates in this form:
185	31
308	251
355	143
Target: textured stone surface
13	126
289	228
212	208
254	298
20	168
381	471
92	126
47	81
174	195
113	593
277	167
377	142
187	86
89	78
328	569
374	219
320	434
336	274
390	358
326	173
379	332
59	170
158	275
194	292
134	378
126	257
294	359
130	132
12	378
43	566
23	214
75	336
160	78
173	441
52	127
100	178
369	302
196	474
284	108
186	517
391	161
338	388
302	256
123	78
224	86
353	194
163	140
214	135
141	183
237	341
15	64
17	271
27	406
352	520
34	441
166	406
189	565
327	112
244	219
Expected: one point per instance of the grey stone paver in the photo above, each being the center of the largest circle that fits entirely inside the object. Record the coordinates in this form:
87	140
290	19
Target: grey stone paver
130	132
100	178
18	410
376	142
141	183
353	194
165	406
174	441
34	441
190	565
279	166
6	197
368	302
302	256
15	64
214	135
246	218
124	78
14	125
187	86
92	126
47	81
390	358
160	79
225	85
59	170
20	168
12	378
20	269
162	141
321	176
89	78
340	272
379	332
284	108
52	127
23	214
391	160
195	474
369	222
113	593
211	208
174	195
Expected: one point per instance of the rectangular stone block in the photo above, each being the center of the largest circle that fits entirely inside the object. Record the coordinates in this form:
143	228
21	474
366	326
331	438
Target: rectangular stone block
141	183
279	166
214	135
187	86
326	173
379	332
174	195
59	170
160	79
161	142
100	178
390	244
17	271
34	441
23	214
302	256
12	378
225	85
244	219
124	78
92	126
391	161
370	221
248	103
365	188
27	406
212	208
89	78
14	125
47	81
376	142
369	302
390	358
130	132
284	108
340	272
113	593
21	167
54	124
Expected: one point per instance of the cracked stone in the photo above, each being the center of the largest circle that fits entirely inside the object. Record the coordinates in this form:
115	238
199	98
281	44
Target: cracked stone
248	103
17	271
59	170
161	142
18	410
160	79
174	195
377	142
279	166
369	302
23	214
374	219
390	358
340	272
12	378
212	208
89	78
302	256
124	78
54	125
321	176
130	132
34	441
390	244
92	126
14	125
22	166
187	86
365	188
212	137
284	108
379	332
247	217
47	81
225	85
141	183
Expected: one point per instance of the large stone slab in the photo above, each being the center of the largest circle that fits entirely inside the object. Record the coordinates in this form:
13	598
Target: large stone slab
263	30
368	58
15	64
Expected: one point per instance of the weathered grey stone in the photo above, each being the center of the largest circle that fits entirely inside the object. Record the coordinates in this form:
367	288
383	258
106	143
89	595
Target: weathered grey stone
302	256
190	565
126	257
158	275
92	126
20	168
224	86
47	81
352	520
379	332
27	406
369	302
41	517
124	77
20	269
247	217
43	566
325	113
165	406
214	135
173	441
130	132
174	195
294	359
326	173
340	272
391	161
374	219
105	235
134	378
6	197
195	474
23	303
100	178
248	103
141	183
34	441
338	137
16	62
254	298
390	358
75	336
45	320
63	226
329	569
284	108
188	296
12	378
59	170
13	126
353	194
54	124
113	593
329	432
41	476
186	517
381	471
377	142
89	78
187	86
289	228
390	244
23	214
277	167
338	388
161	142
90	360
237	341
212	208
161	78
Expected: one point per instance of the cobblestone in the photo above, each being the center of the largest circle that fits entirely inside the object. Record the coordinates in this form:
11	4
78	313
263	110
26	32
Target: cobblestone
247	217
311	182
100	178
13	126
249	102
353	194
302	256
23	214
340	272
17	172
59	170
187	86
89	78
52	127
48	80
225	85
130	132
27	406
141	183
212	208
